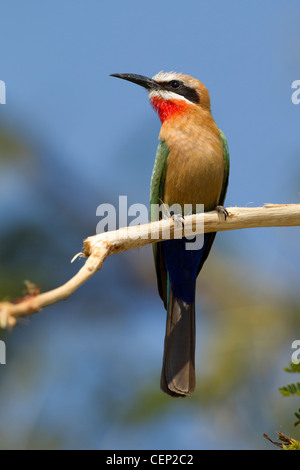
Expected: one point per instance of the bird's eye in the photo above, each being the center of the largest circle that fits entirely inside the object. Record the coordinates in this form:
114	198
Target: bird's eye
175	84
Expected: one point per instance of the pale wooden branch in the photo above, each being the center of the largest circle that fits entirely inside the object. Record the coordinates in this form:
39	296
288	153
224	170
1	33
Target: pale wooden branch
98	247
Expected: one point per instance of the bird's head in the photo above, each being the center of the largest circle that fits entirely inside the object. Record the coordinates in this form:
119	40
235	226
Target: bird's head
171	93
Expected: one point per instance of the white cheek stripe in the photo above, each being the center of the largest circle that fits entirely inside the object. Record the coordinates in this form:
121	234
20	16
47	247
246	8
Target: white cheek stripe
167	95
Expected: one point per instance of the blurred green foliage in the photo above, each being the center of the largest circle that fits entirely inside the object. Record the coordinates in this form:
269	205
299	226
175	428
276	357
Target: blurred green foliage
13	146
293	388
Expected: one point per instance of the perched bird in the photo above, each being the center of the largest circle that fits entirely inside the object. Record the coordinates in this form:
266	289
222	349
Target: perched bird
191	167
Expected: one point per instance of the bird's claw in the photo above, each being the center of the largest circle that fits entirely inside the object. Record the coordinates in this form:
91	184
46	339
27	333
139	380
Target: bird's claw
222	212
178	220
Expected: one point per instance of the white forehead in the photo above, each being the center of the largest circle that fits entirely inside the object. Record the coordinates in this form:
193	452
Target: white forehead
167	76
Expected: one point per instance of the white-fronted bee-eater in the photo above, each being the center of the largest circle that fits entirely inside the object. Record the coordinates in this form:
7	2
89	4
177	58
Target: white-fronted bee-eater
191	167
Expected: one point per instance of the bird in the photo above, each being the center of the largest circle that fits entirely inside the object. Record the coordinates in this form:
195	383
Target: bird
191	167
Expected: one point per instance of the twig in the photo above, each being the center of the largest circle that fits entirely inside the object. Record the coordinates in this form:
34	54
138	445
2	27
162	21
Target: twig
286	442
98	247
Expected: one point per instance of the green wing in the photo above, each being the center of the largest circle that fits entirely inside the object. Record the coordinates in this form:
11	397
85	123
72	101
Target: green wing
156	194
157	180
226	167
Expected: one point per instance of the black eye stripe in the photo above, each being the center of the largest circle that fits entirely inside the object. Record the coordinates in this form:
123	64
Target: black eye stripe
188	92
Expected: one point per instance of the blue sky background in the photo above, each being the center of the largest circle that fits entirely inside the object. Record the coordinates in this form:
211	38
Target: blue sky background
94	138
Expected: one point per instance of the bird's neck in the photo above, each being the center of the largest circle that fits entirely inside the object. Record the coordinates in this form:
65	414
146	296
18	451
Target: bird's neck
167	109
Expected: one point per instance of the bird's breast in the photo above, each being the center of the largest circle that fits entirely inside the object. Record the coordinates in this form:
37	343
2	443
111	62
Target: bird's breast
195	164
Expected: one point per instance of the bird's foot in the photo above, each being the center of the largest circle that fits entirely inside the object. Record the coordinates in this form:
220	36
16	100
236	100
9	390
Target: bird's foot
178	219
222	212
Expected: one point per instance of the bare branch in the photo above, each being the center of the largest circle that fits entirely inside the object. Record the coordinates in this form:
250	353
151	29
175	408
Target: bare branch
98	247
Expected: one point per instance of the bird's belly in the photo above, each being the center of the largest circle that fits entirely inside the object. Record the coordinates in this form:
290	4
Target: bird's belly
194	178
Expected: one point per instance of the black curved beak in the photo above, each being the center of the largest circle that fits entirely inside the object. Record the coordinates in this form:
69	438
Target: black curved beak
145	82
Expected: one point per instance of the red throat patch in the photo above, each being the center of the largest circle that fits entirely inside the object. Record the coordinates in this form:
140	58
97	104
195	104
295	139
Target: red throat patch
167	109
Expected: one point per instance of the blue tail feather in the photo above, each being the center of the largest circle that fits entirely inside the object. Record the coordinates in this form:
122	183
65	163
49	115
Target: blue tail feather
182	266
